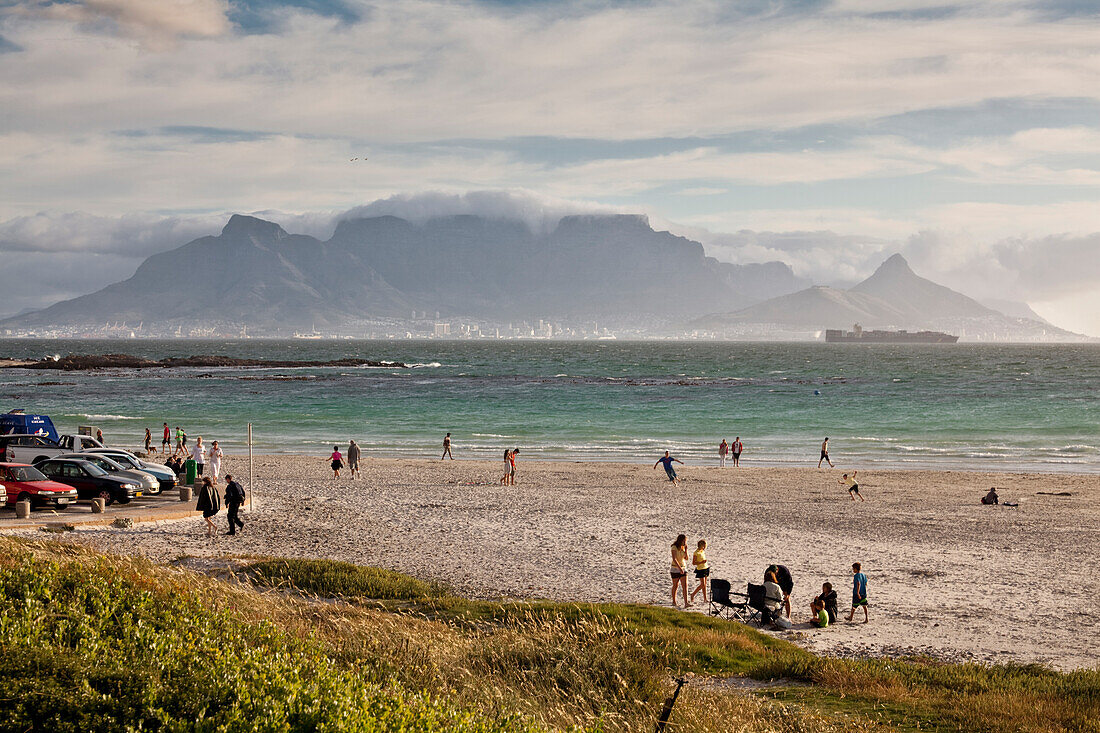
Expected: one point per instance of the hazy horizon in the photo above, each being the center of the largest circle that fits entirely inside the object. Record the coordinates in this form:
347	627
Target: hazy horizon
826	135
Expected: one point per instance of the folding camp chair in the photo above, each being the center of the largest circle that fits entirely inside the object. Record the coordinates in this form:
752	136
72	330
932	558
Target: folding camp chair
755	603
724	604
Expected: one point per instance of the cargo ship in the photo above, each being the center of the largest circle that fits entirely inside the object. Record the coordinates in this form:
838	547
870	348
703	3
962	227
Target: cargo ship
858	336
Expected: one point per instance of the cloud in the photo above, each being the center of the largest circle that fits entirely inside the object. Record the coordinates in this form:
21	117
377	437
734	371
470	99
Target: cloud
158	22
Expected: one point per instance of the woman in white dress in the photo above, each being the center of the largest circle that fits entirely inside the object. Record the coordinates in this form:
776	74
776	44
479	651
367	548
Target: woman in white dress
215	456
198	454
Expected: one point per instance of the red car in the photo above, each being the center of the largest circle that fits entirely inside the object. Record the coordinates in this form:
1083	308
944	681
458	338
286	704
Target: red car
25	482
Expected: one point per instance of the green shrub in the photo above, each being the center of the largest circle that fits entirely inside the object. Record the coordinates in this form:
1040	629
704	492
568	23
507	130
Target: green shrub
92	647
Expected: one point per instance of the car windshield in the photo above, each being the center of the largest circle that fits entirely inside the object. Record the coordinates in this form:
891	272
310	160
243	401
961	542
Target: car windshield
93	469
101	462
28	473
124	460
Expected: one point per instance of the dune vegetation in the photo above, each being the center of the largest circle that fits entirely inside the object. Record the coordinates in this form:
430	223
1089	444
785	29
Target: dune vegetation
91	642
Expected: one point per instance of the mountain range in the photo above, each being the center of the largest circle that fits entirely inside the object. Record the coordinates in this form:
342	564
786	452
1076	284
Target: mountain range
390	272
610	267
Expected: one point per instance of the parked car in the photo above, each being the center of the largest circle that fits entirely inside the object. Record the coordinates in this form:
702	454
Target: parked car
27	483
149	483
90	481
162	473
29	448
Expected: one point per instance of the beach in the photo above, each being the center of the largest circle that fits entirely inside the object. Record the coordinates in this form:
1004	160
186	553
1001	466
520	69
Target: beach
948	577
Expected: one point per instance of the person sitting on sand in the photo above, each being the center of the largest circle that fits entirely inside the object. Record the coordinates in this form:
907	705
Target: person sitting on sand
827	599
853	487
336	461
702	569
991	497
859	592
820	615
667	460
773	603
679	569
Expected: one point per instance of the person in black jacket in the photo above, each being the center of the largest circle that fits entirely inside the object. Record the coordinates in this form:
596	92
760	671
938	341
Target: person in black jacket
209	504
828	600
234	497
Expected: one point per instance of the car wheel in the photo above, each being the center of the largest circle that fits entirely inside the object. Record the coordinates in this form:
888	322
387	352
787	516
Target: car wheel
108	499
23	497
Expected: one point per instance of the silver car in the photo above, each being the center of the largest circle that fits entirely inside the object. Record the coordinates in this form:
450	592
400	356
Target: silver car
148	482
162	473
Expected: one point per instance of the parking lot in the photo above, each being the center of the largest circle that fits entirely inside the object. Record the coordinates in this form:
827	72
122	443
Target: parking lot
162	507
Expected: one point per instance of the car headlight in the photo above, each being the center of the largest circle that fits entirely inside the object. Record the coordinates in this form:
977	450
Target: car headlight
129	486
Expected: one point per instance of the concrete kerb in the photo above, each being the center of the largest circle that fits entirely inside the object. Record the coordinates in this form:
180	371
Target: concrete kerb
100	520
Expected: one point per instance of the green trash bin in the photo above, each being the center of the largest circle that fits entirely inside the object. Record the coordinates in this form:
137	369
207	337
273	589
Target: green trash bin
191	469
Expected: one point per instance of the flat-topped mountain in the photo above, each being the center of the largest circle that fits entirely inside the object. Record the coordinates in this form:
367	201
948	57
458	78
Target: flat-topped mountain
894	297
256	274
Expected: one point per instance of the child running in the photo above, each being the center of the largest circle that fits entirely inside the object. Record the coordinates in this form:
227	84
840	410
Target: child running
859	592
702	570
853	487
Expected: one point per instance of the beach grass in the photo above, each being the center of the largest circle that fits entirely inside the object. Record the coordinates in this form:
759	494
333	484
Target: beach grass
94	642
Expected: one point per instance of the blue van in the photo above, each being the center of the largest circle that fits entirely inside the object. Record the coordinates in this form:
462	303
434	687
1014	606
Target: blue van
19	423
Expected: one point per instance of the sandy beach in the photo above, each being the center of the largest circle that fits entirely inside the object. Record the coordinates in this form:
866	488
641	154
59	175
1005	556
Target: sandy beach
948	577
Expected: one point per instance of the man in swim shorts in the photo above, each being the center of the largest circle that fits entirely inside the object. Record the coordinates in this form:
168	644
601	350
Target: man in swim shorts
667	460
737	448
824	454
447	447
853	487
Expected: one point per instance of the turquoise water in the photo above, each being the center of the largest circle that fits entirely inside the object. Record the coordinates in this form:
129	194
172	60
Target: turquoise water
963	406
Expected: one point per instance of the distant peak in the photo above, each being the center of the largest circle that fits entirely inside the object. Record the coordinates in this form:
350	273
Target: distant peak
895	263
241	225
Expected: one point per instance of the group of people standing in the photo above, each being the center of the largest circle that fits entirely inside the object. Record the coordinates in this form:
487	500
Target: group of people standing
733	450
778	586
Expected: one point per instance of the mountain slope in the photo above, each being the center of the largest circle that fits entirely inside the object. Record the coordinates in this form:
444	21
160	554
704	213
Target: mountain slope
255	274
893	297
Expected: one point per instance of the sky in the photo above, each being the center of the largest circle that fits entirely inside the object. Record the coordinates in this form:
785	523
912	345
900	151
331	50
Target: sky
824	133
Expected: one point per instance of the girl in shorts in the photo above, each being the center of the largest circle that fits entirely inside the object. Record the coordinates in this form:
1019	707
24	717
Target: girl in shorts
702	569
337	462
679	569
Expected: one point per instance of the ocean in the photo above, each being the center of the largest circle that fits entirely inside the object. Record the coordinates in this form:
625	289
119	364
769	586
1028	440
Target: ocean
989	407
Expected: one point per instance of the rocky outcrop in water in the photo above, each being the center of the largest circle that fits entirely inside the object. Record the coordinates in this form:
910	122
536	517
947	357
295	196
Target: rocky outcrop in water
82	362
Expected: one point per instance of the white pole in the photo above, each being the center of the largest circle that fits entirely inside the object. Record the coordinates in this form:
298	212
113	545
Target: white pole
249	467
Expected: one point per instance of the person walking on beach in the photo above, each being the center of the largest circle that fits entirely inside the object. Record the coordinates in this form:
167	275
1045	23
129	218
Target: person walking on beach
336	461
723	449
215	455
679	569
447	447
209	504
824	454
702	569
198	455
859	592
353	458
853	487
507	466
736	451
181	441
234	498
511	467
165	440
667	460
148	440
